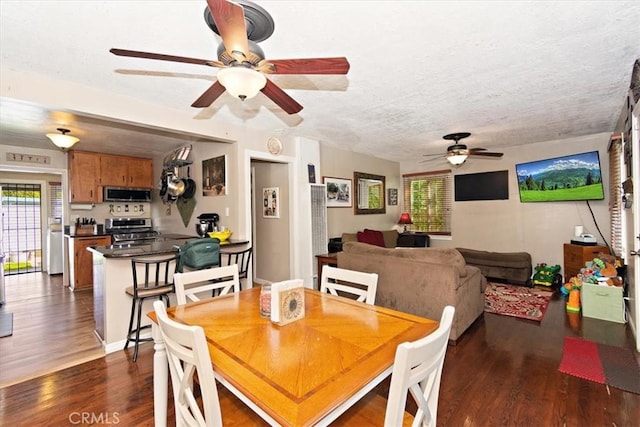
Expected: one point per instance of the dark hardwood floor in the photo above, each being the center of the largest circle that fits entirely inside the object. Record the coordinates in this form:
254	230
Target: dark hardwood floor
503	372
52	327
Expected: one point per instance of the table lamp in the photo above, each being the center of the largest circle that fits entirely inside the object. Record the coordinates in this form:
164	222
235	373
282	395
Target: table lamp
405	219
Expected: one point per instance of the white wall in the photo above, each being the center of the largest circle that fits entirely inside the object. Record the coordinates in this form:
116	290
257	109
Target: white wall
338	163
272	235
509	225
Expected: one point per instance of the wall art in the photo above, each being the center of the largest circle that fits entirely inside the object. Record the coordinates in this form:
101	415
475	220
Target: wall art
338	192
214	176
271	202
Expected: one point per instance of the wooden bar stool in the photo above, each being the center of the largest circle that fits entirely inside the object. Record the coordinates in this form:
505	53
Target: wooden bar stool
156	282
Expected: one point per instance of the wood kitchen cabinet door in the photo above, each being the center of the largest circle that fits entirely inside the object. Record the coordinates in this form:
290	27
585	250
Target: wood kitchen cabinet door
83	260
84	174
114	170
140	173
122	171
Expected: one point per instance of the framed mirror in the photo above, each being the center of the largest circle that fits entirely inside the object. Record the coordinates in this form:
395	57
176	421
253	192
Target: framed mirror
369	193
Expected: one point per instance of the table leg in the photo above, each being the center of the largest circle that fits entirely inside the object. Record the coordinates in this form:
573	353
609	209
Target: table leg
160	378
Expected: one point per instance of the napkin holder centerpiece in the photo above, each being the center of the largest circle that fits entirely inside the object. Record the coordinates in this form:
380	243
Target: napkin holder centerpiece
287	301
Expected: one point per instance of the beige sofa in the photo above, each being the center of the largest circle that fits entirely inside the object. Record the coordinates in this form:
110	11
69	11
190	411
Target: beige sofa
421	281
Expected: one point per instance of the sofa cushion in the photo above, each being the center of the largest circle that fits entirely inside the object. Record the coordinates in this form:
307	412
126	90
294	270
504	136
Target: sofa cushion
443	256
349	237
497	259
390	237
372	237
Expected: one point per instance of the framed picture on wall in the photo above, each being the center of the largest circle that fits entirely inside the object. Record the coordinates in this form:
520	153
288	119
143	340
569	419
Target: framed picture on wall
338	192
392	197
214	176
271	202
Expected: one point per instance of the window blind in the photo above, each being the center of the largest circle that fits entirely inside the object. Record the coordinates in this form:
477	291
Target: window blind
615	192
55	199
428	197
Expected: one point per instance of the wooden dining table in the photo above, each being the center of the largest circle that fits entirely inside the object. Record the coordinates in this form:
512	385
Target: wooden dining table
304	373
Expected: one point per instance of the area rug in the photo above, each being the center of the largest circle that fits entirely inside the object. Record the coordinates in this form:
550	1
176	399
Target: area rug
6	324
516	301
601	363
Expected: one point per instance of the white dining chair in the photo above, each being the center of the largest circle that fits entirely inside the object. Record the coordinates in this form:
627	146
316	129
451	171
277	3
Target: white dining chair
338	281
197	284
188	356
417	369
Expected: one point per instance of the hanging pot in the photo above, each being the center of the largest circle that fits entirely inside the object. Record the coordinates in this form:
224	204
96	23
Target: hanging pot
175	186
190	189
163	184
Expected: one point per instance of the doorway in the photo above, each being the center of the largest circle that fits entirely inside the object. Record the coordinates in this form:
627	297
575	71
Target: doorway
21	228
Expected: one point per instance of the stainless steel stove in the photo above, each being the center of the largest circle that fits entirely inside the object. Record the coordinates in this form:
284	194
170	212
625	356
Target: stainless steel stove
130	230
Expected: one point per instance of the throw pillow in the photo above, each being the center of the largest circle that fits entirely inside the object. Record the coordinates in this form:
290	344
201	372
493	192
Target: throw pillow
371	237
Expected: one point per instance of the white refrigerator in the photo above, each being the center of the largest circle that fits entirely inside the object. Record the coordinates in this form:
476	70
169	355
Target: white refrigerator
54	247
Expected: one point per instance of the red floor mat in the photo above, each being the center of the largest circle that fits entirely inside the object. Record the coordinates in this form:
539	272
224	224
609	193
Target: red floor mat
601	363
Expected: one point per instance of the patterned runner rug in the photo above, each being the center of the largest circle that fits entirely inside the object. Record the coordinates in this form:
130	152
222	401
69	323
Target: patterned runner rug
516	301
601	363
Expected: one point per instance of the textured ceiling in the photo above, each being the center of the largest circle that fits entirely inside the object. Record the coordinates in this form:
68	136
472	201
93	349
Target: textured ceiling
510	73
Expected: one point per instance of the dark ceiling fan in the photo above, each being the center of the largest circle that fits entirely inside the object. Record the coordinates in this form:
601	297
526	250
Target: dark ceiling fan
457	153
241	25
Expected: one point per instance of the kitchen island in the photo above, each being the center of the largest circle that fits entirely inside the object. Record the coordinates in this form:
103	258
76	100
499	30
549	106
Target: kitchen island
112	275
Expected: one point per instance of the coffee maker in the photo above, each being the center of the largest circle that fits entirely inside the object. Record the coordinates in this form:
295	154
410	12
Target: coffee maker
208	222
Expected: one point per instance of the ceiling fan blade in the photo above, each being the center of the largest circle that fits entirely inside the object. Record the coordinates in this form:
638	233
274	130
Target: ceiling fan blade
229	18
163	57
279	96
432	155
471	150
435	157
338	65
210	95
485	153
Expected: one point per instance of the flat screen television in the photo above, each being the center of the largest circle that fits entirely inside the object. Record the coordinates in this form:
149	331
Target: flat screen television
482	186
559	179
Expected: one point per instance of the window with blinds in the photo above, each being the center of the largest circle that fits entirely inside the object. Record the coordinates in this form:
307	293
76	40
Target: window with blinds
428	197
615	192
55	199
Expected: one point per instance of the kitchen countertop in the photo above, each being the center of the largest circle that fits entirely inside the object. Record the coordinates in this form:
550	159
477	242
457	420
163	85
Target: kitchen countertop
73	236
163	244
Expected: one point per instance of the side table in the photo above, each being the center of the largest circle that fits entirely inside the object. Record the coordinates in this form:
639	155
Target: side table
326	259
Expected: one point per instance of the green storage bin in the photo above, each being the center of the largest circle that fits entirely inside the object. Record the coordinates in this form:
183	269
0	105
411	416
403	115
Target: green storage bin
603	302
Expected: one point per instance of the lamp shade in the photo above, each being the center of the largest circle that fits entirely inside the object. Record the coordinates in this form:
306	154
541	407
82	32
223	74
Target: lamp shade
242	82
405	218
62	140
457	159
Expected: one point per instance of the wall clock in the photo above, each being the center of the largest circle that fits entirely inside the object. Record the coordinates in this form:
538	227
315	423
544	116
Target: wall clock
274	145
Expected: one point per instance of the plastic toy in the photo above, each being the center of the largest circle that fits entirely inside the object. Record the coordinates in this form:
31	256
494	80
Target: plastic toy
547	275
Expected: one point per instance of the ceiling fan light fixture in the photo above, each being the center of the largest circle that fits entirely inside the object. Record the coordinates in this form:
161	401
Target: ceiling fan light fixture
62	140
242	82
456	159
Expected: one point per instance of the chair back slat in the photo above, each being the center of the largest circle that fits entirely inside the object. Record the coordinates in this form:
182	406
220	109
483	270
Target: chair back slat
188	354
191	285
417	369
340	281
242	258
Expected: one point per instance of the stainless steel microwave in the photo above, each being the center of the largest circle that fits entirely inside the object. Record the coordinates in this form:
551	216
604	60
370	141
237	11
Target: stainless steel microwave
123	194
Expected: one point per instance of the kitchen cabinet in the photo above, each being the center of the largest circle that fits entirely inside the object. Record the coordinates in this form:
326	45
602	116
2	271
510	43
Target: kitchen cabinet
81	260
89	172
122	171
84	177
575	256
